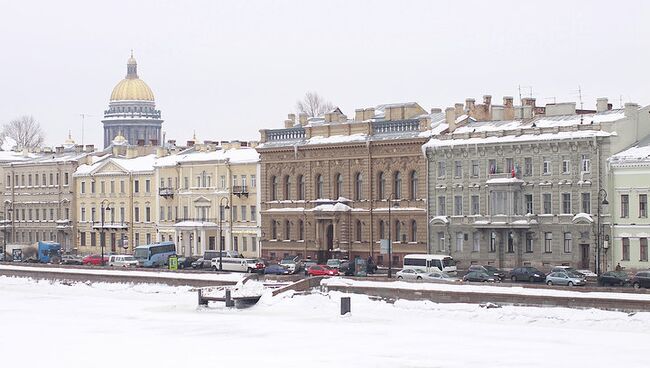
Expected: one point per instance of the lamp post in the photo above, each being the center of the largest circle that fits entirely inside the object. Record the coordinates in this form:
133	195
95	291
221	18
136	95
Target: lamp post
390	240
103	236
221	240
601	193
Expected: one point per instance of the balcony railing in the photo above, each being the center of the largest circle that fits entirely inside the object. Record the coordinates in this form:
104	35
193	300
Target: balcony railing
240	190
196	219
286	134
166	192
398	126
110	226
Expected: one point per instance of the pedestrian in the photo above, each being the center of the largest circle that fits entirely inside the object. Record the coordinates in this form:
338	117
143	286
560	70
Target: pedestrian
618	266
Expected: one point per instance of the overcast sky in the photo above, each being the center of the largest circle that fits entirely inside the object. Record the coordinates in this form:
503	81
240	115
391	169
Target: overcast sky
228	69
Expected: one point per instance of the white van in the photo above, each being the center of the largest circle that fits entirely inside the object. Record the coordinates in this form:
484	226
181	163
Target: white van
430	262
233	264
117	260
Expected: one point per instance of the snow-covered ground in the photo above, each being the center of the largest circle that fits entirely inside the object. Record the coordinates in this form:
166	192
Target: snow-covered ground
108	325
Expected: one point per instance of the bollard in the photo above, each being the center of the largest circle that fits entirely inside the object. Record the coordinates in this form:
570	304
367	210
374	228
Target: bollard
345	305
201	300
229	301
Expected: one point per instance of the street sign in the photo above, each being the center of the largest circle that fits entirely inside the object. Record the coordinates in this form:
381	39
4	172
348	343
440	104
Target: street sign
383	246
173	263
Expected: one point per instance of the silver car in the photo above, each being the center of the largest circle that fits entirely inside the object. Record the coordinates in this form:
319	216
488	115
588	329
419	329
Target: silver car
410	274
440	277
565	278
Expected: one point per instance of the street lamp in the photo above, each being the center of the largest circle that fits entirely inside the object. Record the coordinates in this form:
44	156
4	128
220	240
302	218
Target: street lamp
103	236
601	193
390	240
221	239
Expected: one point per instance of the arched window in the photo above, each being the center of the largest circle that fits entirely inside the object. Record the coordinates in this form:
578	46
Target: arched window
398	231
274	188
414	231
319	186
382	229
301	187
397	185
338	187
274	230
414	185
301	230
287	187
358	187
381	185
358	231
287	230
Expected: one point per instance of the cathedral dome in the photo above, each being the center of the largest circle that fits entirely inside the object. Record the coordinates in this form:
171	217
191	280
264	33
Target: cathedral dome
132	88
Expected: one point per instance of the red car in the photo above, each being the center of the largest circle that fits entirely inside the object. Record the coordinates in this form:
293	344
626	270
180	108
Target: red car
322	270
94	260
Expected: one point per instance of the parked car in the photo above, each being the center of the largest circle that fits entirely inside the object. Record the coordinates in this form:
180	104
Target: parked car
121	260
410	274
186	262
527	273
308	263
568	270
641	279
201	263
255	265
94	260
480	276
490	270
334	263
275	269
565	278
611	278
322	270
440	277
71	260
347	268
292	263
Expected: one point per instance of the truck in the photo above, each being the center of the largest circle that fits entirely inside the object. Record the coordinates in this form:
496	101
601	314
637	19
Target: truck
42	252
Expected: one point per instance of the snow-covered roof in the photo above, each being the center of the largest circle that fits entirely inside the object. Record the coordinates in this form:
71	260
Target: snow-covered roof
235	155
581	134
141	164
638	153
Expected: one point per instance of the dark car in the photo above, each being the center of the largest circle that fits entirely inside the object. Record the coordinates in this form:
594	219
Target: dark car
641	280
186	262
527	273
275	269
480	276
490	270
347	268
612	278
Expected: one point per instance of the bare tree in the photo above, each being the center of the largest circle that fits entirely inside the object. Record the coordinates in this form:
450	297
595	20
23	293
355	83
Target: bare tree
313	105
25	131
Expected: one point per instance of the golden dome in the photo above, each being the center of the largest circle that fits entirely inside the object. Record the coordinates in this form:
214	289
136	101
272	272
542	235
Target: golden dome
132	89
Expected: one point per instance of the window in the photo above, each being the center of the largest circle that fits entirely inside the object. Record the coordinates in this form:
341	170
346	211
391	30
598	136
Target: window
254	213
274	188
254	181
492	166
548	242
122	186
147	214
287	230
287	187
358	231
319	186
102	187
493	242
625	205
136	186
586	202
547	205
458	169
510	243
244	180
442	206
529	242
568	243
585	164
566	166
83	214
475	168
442	169
476	241
643	249
381	185
92	186
398	231
186	182
301	187
93	239
234	179
382	229
358	187
475	205
234	213
459	242
301	230
147	186
65	179
546	166
510	165
643	205
414	231
528	166
136	214
93	212
413	180
397	185
82	239
29	180
338	186
458	205
274	230
122	210
566	203
113	186
441	241
222	181
626	249
83	187
254	243
528	198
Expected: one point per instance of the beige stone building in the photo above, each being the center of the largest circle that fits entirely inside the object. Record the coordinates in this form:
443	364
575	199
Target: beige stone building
326	183
118	187
208	196
7	157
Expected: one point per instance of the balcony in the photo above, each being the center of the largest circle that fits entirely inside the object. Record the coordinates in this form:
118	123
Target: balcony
166	192
240	190
110	226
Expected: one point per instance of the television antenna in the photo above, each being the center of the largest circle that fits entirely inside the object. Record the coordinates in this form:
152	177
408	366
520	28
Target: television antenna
83	120
530	92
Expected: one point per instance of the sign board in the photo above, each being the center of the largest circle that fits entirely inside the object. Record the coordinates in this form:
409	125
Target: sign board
383	246
173	263
17	255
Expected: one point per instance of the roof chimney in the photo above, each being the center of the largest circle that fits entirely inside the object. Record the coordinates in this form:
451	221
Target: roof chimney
470	103
601	104
528	101
458	109
302	118
450	118
487	100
